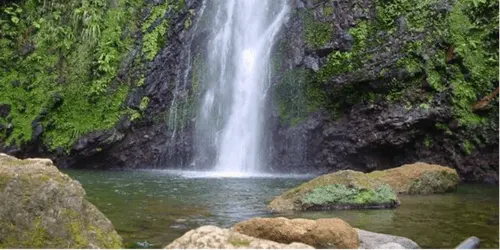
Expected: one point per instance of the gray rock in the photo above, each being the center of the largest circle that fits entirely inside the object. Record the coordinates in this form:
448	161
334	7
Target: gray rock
44	208
311	63
390	245
371	240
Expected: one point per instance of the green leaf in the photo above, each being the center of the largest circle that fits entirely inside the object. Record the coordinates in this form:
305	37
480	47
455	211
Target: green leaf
14	19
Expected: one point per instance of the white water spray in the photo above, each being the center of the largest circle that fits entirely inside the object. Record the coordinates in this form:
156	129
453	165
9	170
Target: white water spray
231	118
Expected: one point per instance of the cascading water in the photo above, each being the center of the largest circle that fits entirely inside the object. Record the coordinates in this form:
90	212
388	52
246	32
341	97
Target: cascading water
231	117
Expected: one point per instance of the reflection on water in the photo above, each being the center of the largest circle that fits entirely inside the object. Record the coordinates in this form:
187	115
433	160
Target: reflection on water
159	206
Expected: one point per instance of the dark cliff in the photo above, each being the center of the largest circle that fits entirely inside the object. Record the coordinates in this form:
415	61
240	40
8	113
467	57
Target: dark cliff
364	84
375	84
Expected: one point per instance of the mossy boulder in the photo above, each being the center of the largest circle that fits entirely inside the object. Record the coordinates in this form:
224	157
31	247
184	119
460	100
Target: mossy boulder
221	238
321	233
419	178
44	208
345	189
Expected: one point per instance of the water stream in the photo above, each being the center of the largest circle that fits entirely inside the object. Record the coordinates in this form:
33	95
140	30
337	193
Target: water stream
230	121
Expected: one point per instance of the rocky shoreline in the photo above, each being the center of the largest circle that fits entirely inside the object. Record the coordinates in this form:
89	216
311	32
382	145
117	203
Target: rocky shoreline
48	209
262	233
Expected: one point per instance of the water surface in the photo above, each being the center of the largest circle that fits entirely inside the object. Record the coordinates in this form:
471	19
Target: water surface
159	206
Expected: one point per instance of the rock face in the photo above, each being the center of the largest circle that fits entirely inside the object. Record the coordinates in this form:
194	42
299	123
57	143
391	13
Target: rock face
370	240
361	85
341	190
44	208
419	178
142	142
321	233
354	90
206	237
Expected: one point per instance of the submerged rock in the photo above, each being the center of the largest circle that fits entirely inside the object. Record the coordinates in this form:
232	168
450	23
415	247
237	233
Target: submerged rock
371	240
341	190
419	178
321	233
44	208
221	238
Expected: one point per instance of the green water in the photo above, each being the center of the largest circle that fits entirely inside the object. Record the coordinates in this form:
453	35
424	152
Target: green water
159	206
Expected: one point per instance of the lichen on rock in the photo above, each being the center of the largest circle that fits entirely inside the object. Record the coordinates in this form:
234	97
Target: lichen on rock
47	209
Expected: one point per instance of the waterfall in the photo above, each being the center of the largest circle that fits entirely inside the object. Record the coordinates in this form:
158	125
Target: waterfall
230	120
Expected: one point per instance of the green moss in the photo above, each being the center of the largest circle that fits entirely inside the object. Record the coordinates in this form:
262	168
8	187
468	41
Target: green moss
444	127
469	30
36	237
238	242
339	62
430	183
70	74
144	103
317	33
75	226
154	39
360	33
427	141
4	180
347	178
339	194
468	147
60	64
81	232
112	241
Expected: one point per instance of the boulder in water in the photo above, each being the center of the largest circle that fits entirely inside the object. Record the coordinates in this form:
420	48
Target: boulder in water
371	240
44	208
345	189
321	233
419	178
221	238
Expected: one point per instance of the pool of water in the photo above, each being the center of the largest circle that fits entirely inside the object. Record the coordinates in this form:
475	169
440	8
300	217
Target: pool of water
159	206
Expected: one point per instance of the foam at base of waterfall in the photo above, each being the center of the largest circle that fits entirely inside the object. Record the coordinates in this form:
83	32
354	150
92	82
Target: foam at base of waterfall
216	174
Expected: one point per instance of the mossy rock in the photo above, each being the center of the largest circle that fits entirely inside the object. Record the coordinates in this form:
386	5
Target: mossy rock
47	209
345	189
419	178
